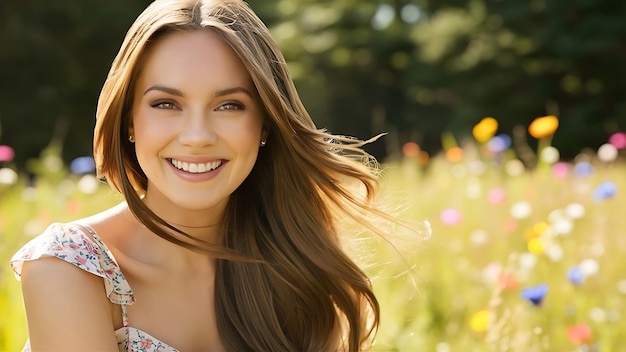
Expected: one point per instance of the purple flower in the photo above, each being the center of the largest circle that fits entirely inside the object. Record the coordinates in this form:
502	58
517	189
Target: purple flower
499	143
583	169
83	165
535	294
605	190
576	275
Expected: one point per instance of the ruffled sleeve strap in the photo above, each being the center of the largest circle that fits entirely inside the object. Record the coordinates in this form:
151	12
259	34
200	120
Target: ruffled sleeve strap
71	244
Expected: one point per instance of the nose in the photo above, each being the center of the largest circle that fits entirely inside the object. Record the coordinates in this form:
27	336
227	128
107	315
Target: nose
197	131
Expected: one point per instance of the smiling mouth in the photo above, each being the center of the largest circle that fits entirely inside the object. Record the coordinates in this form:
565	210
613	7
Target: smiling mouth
195	168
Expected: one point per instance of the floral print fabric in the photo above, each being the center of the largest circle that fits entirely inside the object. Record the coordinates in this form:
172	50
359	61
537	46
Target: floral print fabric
71	244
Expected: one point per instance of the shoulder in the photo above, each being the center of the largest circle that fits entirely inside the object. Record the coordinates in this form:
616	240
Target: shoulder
49	254
66	307
66	242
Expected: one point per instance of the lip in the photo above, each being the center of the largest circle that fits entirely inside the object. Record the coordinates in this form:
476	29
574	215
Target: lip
196	176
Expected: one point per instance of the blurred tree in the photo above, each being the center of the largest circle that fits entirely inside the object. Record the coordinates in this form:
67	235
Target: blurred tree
421	67
53	61
411	67
516	60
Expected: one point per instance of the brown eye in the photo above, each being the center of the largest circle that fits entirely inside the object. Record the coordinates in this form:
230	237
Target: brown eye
164	105
231	106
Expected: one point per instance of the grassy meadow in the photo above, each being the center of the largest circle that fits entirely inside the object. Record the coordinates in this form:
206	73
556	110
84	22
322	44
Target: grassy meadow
518	258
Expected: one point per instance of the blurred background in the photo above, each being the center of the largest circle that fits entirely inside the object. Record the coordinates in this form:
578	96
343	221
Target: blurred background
506	141
412	68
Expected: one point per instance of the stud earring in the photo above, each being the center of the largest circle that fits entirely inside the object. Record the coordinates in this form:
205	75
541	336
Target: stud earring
263	143
131	139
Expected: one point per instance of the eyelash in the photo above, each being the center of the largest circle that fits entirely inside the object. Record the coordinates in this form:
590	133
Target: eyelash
236	105
161	105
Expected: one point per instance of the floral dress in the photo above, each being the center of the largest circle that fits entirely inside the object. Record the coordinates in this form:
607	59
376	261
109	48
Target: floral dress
71	244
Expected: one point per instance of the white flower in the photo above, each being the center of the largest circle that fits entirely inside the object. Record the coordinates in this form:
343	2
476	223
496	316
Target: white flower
521	210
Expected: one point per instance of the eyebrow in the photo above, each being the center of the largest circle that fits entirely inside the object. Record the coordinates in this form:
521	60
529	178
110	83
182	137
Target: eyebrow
218	93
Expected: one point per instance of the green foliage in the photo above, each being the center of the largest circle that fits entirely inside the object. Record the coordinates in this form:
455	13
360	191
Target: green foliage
362	67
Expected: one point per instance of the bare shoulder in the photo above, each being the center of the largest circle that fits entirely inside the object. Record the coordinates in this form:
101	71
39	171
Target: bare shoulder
65	297
66	307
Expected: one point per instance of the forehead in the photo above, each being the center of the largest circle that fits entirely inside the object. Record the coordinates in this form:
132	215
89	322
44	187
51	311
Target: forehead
192	57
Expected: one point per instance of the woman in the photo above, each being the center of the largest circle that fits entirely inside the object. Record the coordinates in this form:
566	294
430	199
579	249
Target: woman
227	239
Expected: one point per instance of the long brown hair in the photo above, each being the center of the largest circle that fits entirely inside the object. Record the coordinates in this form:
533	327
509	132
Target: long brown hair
283	282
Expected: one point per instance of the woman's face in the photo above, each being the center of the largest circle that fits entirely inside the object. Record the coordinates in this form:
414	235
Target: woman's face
197	123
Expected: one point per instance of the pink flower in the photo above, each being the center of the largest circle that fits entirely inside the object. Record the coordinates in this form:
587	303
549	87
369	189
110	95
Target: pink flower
451	216
81	260
560	169
618	140
145	343
6	153
496	196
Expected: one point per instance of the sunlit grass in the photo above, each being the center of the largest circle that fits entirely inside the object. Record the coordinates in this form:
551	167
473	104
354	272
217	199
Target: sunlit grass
458	290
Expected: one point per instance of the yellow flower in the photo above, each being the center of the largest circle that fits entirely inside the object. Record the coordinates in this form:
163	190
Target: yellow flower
485	129
535	246
544	126
479	321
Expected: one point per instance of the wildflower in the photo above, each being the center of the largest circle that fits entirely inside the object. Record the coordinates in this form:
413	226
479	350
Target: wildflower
589	267
537	230
535	294
575	210
88	184
583	169
83	165
579	334
451	216
535	246
479	321
562	226
499	143
575	276
485	129
598	315
507	282
6	153
527	261
618	140
410	149
521	210
560	170
540	227
496	196
7	176
554	252
544	126
605	190
454	154
550	155
607	152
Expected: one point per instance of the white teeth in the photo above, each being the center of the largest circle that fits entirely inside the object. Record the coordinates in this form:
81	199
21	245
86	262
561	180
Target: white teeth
196	168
